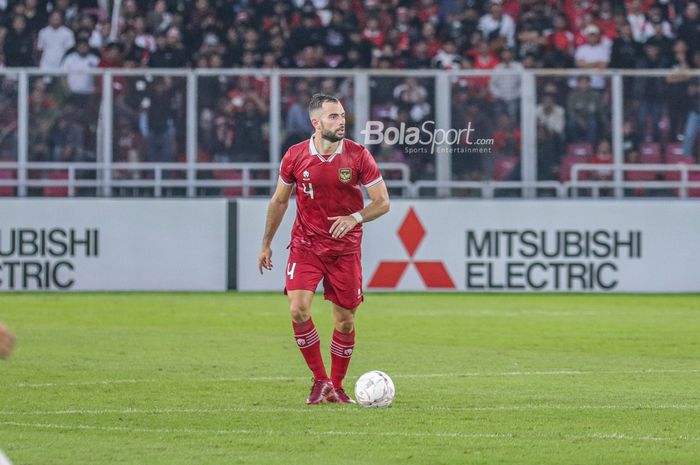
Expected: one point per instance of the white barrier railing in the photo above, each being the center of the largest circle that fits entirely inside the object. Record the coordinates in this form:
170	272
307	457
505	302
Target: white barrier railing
159	176
441	86
682	184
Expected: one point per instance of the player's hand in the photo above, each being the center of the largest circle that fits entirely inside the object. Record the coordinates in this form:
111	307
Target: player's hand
265	259
342	225
7	341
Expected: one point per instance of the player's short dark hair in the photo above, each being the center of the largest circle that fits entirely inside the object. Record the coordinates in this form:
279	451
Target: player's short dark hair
317	101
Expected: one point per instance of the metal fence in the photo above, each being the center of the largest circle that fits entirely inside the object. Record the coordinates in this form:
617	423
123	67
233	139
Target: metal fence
153	132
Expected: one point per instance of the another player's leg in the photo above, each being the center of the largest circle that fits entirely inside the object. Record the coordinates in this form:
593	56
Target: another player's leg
342	347
7	341
309	343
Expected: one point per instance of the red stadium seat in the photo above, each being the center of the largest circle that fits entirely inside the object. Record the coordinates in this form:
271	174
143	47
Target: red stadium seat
8	191
502	166
650	152
575	153
579	150
230	174
56	191
674	156
694	176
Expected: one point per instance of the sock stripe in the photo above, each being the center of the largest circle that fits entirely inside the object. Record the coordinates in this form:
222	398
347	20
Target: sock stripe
306	334
337	344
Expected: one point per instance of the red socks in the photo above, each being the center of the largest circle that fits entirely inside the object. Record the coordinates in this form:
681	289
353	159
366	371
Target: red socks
310	345
342	346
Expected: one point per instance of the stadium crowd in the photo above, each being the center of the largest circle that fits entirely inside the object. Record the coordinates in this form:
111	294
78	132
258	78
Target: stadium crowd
572	114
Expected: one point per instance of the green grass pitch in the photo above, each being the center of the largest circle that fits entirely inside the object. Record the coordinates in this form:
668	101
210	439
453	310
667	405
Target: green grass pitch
481	379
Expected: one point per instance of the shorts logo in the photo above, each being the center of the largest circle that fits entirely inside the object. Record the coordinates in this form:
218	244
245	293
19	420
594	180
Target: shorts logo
301	342
306	175
345	174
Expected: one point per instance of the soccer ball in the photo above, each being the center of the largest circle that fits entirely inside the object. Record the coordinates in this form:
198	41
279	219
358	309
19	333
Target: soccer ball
374	389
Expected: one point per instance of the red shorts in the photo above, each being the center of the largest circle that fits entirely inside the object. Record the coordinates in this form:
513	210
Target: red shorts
342	276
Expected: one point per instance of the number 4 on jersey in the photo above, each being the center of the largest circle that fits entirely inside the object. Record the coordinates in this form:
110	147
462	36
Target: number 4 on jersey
310	191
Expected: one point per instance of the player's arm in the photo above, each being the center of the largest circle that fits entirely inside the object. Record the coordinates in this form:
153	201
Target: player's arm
378	206
275	213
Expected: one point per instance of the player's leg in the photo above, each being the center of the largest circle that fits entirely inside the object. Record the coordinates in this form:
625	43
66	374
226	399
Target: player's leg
343	287
303	276
7	341
342	347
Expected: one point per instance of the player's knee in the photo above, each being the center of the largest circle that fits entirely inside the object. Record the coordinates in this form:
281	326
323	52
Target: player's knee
300	312
345	326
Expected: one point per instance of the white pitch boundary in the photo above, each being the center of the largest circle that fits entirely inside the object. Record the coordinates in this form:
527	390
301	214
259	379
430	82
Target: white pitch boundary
396	376
615	436
314	410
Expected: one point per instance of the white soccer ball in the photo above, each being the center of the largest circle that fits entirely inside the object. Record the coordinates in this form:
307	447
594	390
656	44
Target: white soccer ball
374	389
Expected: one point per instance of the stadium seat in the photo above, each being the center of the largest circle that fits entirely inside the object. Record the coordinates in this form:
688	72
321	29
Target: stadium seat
232	191
8	191
575	153
502	166
694	176
650	152
674	155
56	191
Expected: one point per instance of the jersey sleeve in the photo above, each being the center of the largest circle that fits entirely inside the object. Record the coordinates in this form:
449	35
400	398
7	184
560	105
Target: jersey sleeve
287	170
369	173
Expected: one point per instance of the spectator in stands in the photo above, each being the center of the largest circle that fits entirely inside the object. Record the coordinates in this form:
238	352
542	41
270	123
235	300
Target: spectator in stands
692	125
81	85
18	44
657	25
66	140
625	50
637	19
550	132
658	37
498	25
248	139
603	156
36	17
447	58
594	54
584	112
158	125
298	125
170	52
651	92
43	110
689	29
99	37
677	89
54	41
411	97
506	88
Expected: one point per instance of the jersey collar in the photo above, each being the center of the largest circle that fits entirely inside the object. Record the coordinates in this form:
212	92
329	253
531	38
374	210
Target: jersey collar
312	149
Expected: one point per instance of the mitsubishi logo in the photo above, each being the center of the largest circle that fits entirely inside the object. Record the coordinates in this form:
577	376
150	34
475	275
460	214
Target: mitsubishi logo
434	274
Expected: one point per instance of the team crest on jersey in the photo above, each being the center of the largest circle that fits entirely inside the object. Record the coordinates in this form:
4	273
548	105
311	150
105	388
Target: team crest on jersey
345	174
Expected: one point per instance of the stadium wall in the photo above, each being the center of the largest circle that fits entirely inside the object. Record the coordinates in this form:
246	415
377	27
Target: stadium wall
115	245
441	245
497	246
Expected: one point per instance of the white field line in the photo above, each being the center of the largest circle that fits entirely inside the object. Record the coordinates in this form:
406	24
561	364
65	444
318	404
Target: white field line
206	411
395	376
615	436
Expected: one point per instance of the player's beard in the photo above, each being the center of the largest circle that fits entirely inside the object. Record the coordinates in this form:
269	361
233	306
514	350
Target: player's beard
330	136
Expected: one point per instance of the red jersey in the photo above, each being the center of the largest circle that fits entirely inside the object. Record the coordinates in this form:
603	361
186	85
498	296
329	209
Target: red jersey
328	185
